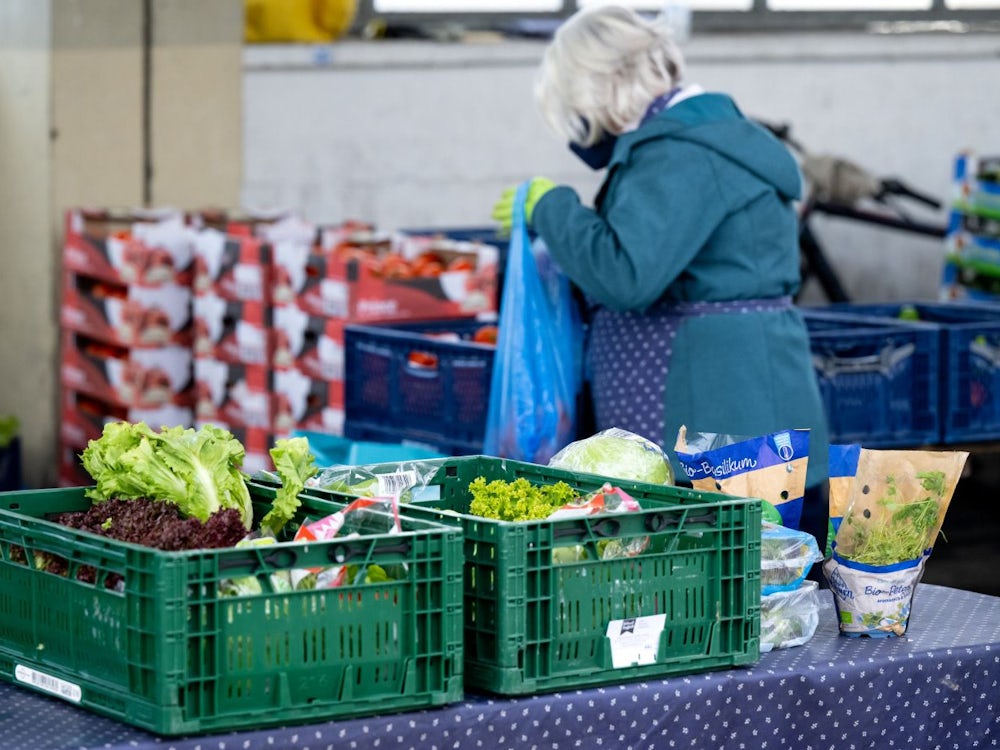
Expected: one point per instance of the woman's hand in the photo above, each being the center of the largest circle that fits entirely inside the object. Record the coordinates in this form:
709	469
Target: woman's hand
503	210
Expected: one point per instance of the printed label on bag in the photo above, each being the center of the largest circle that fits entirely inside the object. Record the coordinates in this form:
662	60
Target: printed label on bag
67	690
872	602
390	485
635	640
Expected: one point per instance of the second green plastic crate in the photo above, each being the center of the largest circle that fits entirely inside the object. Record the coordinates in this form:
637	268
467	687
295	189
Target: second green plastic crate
534	626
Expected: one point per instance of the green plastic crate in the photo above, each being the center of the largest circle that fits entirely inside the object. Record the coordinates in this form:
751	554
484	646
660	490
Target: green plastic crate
532	626
169	655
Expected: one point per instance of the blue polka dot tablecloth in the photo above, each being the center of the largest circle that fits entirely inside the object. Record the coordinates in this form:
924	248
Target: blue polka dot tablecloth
937	687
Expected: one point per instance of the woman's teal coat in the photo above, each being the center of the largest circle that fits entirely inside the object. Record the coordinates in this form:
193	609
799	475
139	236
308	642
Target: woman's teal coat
697	206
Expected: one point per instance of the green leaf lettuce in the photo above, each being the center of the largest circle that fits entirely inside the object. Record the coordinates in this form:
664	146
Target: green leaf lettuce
199	470
294	464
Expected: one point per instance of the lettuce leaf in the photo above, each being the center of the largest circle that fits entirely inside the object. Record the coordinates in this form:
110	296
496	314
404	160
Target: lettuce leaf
199	470
294	464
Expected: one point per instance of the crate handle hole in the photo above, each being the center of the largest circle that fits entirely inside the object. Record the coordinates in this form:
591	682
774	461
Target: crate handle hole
655	522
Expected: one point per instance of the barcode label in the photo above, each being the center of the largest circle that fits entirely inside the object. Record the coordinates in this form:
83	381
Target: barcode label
395	483
48	683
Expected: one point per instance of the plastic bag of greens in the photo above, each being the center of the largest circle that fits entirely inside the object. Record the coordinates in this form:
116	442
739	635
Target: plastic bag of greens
770	467
897	503
404	480
280	581
363	517
786	557
789	618
607	500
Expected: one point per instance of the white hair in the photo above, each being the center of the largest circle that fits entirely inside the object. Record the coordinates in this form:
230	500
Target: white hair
601	71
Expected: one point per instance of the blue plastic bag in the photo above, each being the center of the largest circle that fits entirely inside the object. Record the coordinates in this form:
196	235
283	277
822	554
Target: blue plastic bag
536	367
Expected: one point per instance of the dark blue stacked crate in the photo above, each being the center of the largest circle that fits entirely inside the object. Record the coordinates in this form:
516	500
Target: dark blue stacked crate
879	379
406	384
969	362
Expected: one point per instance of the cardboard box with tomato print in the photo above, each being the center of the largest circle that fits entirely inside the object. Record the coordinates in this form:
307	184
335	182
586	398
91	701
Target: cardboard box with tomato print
233	393
129	247
130	377
236	331
305	403
312	344
126	314
233	267
82	417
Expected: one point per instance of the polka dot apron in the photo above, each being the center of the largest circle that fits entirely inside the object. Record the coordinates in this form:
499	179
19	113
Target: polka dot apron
632	397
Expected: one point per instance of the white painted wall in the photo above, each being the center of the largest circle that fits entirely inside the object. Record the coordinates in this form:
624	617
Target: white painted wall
412	134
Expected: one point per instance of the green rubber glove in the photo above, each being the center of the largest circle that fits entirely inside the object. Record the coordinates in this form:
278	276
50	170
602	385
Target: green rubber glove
503	210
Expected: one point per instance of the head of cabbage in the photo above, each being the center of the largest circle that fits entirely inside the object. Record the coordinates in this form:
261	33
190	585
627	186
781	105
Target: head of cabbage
618	454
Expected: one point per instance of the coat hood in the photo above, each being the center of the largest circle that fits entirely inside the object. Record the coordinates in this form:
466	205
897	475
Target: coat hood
715	122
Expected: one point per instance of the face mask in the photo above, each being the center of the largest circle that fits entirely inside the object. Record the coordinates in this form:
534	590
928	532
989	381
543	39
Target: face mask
597	156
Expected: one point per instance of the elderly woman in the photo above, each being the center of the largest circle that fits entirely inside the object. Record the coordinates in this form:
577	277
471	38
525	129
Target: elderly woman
689	258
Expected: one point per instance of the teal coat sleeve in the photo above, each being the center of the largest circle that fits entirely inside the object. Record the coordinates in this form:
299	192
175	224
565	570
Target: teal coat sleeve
649	229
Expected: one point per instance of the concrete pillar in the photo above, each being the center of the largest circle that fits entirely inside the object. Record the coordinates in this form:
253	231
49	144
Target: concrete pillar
87	109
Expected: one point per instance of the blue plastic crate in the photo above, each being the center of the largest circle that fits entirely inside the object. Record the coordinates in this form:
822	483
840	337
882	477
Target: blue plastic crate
970	363
404	384
332	450
879	379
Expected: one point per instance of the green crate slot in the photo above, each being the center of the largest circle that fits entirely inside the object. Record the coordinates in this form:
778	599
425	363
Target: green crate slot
533	626
168	654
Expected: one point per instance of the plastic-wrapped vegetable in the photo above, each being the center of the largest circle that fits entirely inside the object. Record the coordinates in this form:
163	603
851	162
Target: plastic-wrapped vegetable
786	556
250	585
606	500
771	467
403	479
618	454
364	516
789	618
893	514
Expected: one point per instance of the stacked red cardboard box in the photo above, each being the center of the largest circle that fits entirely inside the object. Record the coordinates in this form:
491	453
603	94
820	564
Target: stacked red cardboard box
233	338
308	330
256	335
126	325
353	274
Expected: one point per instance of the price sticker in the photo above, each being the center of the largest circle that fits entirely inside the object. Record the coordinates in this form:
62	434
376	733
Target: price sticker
635	640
